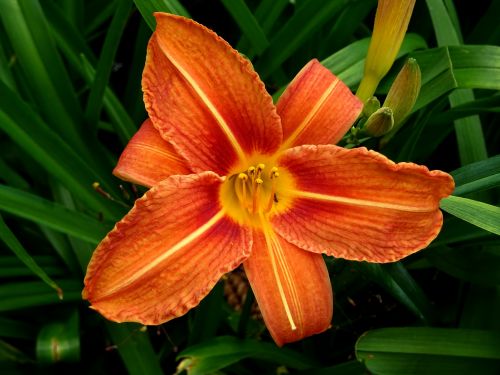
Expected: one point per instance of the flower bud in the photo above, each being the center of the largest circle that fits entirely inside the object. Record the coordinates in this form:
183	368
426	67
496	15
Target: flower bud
379	123
391	22
403	94
371	105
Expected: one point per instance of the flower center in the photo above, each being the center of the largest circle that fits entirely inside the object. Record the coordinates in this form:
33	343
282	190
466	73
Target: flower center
256	190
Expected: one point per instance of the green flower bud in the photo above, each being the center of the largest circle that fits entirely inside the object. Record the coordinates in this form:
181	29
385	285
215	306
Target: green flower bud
371	105
403	95
379	123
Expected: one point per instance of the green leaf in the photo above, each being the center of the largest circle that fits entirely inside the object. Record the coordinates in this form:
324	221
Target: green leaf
220	352
44	145
477	176
398	282
28	294
480	214
59	341
53	215
106	60
134	348
12	243
16	329
477	264
429	351
348	63
42	66
471	144
307	19
148	7
247	24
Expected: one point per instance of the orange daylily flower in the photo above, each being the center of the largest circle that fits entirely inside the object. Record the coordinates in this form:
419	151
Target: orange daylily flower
235	180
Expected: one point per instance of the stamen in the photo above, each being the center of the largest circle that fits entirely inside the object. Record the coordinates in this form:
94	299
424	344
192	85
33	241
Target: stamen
273	173
251	171
271	200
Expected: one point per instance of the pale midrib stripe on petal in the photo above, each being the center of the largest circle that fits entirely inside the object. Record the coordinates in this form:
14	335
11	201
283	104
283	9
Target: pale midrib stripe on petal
288	142
268	233
218	117
288	278
156	150
357	202
165	255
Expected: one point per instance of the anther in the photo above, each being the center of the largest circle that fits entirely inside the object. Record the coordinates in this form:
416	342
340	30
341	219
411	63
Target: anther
251	171
243	176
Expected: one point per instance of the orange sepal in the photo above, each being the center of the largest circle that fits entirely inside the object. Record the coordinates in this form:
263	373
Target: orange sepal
291	286
316	108
357	204
168	252
205	98
148	158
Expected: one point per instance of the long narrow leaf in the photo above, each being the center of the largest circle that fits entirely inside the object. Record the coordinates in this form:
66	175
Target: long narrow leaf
480	214
13	243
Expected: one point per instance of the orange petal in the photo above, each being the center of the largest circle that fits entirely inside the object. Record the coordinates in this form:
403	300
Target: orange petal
292	288
205	98
357	204
148	158
166	254
316	108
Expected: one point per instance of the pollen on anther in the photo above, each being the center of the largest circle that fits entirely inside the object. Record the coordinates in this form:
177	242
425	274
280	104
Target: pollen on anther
259	181
243	176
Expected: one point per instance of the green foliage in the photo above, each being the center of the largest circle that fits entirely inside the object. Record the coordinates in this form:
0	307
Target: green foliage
70	99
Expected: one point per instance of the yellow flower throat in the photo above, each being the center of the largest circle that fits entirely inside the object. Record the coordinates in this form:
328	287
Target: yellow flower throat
258	190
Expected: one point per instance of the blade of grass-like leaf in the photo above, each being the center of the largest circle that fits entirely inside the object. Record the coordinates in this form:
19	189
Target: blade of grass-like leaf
134	348
347	23
22	295
208	316
247	24
16	329
429	351
266	15
480	214
67	37
100	16
11	266
5	72
307	19
44	70
486	30
11	355
38	140
469	133
405	291
220	352
455	231
481	308
148	7
11	176
123	124
13	244
133	99
62	247
105	63
348	63
53	215
477	264
480	175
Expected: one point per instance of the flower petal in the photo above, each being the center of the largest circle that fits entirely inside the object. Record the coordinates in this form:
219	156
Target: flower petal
166	254
316	108
205	98
292	288
148	158
357	204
